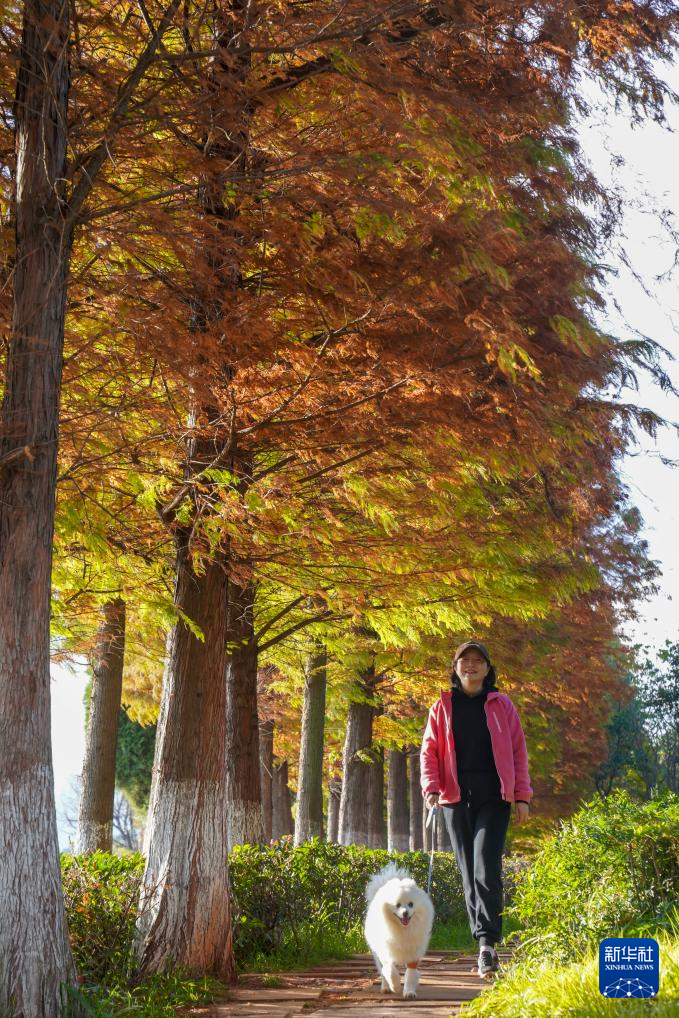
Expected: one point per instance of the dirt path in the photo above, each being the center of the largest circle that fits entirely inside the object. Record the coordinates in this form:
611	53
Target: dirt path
350	989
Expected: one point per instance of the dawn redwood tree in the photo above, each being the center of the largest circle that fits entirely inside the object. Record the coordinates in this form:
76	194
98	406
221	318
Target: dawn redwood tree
441	834
309	813
34	952
266	733
415	800
243	788
282	822
376	827
47	203
188	806
207	763
334	797
398	816
95	815
355	813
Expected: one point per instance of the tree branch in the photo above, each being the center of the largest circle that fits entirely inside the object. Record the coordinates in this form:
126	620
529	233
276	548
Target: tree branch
278	616
322	617
96	160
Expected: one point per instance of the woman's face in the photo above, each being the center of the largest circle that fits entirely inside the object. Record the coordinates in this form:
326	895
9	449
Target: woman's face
472	669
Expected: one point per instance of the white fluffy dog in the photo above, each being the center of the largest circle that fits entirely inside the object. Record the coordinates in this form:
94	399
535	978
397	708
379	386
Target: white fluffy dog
397	927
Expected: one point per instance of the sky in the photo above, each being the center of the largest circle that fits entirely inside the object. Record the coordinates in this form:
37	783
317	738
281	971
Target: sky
650	181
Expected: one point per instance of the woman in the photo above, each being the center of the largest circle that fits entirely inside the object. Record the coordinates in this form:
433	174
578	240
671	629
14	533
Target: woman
474	763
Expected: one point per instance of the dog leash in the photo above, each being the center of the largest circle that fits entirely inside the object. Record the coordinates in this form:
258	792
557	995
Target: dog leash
432	814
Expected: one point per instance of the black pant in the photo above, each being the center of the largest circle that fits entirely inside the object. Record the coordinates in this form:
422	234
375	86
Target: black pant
477	827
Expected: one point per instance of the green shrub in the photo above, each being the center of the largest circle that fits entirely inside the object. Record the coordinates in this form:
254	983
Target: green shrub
290	902
612	870
544	989
159	996
279	890
101	893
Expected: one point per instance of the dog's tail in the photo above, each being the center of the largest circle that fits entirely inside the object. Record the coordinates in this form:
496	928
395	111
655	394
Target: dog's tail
390	872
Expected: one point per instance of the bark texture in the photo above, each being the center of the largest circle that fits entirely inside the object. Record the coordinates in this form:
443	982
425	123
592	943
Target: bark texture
426	831
441	834
95	816
243	789
266	729
309	816
398	818
281	820
354	818
416	802
35	957
185	912
334	796
377	835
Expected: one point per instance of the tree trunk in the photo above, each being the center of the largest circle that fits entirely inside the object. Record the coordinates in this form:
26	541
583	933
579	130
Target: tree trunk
334	796
266	729
376	831
95	816
185	903
426	831
243	788
281	822
416	801
397	801
441	833
35	958
354	818
309	816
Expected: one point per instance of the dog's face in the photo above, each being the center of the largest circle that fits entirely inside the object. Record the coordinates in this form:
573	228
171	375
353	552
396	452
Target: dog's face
405	901
403	909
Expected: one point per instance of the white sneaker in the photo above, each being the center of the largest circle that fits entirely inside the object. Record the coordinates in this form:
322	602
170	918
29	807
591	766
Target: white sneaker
489	962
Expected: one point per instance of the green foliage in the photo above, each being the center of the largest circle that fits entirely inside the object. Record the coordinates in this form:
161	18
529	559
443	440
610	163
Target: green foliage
291	905
134	760
158	996
101	894
286	894
658	692
310	942
549	990
631	756
612	870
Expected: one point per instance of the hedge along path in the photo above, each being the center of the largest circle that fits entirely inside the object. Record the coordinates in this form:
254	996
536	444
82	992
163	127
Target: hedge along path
351	988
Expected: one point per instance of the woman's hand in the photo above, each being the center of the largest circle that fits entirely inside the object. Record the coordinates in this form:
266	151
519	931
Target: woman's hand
432	800
521	812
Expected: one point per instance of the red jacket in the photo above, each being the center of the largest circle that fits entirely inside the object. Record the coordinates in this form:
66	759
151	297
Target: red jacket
438	765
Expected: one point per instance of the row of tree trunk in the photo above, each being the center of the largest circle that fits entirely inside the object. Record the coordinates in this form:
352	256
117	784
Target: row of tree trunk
406	821
356	803
353	817
216	782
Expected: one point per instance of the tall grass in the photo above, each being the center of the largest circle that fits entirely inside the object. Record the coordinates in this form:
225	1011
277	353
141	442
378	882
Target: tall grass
531	989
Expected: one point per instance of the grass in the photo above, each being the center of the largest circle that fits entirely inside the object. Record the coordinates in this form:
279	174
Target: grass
272	982
455	936
157	997
451	936
331	944
546	990
309	947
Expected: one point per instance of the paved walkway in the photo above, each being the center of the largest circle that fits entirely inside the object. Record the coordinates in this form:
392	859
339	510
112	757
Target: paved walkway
349	989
